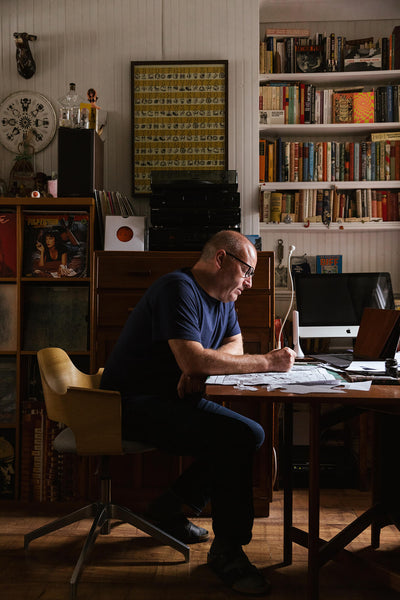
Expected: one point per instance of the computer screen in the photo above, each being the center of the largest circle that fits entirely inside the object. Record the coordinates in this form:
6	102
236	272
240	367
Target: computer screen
331	305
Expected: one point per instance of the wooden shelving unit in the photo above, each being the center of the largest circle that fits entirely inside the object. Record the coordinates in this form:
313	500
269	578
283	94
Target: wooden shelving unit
22	419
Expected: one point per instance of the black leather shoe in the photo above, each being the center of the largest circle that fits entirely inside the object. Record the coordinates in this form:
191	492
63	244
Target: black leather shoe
184	530
237	572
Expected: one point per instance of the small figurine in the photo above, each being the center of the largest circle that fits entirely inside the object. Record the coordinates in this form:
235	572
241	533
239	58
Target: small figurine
25	63
92	97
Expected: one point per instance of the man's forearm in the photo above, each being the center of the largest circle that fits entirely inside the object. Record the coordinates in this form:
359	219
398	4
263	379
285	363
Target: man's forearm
234	347
196	361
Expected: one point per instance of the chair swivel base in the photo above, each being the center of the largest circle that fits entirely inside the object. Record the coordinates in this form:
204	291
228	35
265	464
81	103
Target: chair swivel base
102	513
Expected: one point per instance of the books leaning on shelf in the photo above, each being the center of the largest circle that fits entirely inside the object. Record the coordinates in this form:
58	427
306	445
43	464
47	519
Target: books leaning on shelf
325	206
55	244
319	161
278	51
303	103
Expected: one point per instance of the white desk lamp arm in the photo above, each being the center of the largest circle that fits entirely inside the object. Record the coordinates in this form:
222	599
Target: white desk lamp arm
291	250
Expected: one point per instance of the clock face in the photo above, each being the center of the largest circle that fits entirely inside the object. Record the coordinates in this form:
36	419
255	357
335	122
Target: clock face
26	115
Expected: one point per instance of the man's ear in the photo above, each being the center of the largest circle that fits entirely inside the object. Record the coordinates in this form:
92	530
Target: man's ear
219	258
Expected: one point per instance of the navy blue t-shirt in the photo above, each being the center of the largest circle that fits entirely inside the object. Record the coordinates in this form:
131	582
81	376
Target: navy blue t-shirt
174	307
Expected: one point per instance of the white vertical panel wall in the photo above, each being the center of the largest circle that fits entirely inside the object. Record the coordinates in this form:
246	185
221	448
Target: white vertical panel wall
93	43
368	250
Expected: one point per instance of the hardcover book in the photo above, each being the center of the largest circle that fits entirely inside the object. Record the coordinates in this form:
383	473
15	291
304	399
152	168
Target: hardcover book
364	107
309	59
55	244
362	56
342	108
329	263
8	244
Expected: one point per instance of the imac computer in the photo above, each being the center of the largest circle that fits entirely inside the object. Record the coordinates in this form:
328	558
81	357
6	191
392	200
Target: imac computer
331	305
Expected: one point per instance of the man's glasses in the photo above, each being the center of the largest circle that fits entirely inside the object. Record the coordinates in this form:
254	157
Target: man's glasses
249	271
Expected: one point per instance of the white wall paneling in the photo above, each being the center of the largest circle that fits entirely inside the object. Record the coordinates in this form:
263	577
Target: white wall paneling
366	250
93	44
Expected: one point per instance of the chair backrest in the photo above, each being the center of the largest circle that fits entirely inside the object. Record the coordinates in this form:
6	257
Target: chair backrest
74	399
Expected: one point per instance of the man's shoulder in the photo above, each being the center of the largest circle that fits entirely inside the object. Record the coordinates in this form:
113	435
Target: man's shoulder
174	280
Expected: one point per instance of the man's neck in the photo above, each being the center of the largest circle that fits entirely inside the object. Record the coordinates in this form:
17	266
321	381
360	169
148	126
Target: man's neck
205	279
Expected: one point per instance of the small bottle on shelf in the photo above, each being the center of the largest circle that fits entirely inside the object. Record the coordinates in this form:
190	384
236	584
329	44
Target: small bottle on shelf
69	115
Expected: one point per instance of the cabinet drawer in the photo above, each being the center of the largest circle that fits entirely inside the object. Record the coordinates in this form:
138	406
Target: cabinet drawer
113	308
253	309
138	270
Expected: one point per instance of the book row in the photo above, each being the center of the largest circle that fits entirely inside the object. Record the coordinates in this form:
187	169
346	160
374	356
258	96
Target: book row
55	245
45	475
295	51
302	103
293	161
326	206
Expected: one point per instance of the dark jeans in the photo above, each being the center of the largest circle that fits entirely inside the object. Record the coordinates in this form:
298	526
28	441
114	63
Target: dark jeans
222	443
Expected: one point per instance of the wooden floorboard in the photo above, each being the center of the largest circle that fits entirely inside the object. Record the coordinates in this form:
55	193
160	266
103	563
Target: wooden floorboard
128	565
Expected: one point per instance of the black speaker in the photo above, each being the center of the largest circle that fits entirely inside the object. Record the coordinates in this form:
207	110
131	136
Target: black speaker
80	162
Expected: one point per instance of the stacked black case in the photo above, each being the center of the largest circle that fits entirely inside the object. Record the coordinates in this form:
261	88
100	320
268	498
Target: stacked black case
188	207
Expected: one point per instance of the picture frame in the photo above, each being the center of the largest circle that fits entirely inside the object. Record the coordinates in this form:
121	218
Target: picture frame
179	118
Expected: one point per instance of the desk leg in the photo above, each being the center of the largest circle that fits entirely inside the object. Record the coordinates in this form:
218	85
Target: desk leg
314	503
287	482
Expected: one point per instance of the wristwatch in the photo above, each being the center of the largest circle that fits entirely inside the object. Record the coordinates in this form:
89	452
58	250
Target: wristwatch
27	116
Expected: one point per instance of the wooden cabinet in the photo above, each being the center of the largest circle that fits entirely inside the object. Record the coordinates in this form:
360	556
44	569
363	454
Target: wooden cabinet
42	303
121	278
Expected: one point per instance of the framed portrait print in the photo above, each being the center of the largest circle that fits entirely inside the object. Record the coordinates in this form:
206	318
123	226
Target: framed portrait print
179	118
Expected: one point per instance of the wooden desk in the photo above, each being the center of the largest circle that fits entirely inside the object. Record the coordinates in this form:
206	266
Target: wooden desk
383	398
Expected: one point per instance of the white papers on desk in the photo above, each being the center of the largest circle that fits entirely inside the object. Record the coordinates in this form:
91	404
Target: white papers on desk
367	367
298	374
336	387
301	379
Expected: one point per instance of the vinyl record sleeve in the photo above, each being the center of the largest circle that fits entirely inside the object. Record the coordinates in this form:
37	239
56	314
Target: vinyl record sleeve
124	233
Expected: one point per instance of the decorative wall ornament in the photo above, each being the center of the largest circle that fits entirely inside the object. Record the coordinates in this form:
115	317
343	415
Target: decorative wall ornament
25	63
23	113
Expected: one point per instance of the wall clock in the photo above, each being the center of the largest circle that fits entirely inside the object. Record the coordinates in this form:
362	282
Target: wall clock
26	115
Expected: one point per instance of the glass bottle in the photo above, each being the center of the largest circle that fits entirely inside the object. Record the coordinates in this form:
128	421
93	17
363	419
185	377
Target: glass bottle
69	115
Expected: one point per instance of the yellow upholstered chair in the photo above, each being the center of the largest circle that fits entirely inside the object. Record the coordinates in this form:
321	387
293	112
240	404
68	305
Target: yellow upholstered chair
93	428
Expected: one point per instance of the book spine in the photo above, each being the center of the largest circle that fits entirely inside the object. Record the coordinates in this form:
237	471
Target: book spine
389	100
296	162
306	152
333	161
387	161
262	152
311	161
276	206
266	206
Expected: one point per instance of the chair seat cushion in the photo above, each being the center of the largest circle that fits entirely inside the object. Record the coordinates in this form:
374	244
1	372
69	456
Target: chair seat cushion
65	442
